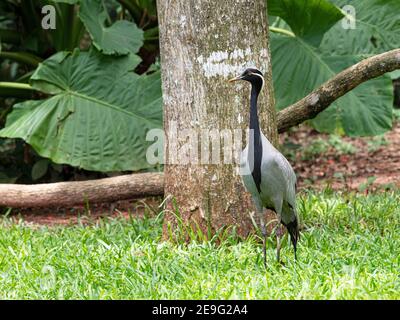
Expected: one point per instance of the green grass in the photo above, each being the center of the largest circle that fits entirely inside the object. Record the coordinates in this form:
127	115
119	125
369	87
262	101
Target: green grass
349	249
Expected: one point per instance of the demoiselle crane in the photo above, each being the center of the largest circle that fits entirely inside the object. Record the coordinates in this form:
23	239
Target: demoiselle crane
266	173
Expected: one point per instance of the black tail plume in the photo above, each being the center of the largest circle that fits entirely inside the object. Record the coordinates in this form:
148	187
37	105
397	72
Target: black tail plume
293	229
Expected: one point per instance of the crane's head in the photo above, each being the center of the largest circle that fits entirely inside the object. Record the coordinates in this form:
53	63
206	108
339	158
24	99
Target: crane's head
252	75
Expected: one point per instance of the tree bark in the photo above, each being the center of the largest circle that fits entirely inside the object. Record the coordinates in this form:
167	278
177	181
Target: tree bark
203	44
321	98
81	192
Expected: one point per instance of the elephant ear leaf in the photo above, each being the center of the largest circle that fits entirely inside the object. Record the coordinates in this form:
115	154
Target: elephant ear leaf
121	38
97	116
373	26
308	19
301	63
299	68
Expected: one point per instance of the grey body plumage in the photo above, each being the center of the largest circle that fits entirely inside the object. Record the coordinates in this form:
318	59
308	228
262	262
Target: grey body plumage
266	173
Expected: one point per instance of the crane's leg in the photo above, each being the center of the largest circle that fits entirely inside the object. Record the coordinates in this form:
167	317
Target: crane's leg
278	242
264	234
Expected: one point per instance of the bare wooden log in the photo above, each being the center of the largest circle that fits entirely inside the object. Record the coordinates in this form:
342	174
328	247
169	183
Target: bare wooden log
321	98
81	192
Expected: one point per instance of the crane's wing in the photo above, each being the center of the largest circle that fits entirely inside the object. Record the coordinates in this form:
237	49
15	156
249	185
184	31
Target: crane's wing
285	170
282	168
277	178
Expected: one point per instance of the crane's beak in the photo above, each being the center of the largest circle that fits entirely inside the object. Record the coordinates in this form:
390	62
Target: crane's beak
235	79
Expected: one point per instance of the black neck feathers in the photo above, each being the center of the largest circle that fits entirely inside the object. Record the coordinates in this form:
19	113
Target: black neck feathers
255	145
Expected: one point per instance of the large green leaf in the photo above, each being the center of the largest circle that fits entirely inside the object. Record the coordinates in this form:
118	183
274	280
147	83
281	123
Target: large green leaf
395	74
377	28
121	38
366	110
298	68
308	19
98	116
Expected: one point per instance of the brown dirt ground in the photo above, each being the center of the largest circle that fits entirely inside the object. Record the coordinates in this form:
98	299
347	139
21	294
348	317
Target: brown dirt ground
347	171
84	215
339	171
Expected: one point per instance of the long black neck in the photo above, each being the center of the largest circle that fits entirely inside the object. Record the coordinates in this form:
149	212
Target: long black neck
254	122
255	145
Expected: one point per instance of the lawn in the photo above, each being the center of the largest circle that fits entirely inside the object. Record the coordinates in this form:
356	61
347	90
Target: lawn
349	249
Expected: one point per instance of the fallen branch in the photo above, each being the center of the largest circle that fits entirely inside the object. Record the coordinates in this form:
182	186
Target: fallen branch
81	192
321	98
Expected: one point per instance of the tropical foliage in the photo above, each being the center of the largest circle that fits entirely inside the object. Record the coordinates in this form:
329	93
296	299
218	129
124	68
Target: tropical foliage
88	107
307	52
88	96
97	125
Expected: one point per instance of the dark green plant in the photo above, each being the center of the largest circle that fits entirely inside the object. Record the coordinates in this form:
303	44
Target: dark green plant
88	108
309	46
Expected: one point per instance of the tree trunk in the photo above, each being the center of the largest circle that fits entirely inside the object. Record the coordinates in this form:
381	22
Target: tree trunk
203	44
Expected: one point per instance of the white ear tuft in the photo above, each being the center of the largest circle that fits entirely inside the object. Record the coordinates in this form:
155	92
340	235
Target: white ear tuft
259	75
